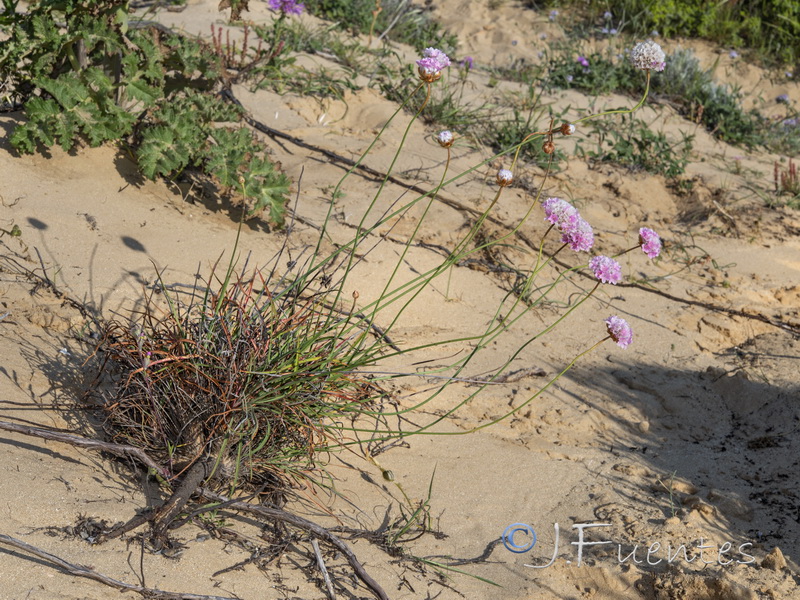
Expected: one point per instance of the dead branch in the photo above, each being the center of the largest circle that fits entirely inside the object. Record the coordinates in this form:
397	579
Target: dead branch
82	442
81	571
317	530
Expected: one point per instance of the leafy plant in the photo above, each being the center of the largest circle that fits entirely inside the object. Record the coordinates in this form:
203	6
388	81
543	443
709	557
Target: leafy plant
769	27
633	144
399	20
787	181
445	106
84	73
595	73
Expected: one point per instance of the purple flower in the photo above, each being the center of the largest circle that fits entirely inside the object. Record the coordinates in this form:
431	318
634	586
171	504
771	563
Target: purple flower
607	15
570	78
557	210
578	235
468	62
619	330
582	60
613	31
604	31
287	7
782	99
553	15
606	269
650	242
733	54
575	231
431	64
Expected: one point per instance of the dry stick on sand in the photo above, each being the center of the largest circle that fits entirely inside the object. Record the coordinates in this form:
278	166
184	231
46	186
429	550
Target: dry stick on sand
273	514
317	530
76	440
82	571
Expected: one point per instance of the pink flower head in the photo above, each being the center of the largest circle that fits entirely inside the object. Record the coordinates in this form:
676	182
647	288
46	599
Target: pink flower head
619	330
557	210
578	234
650	242
606	269
583	61
431	64
575	231
287	7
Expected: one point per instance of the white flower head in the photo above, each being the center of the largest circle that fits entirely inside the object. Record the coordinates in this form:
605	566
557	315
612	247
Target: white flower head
648	55
504	177
445	138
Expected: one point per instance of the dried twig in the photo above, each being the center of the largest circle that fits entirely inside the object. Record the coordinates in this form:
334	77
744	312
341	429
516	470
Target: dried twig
76	440
323	570
317	530
82	571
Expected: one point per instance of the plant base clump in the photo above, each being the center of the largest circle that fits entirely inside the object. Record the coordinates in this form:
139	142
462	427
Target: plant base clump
249	383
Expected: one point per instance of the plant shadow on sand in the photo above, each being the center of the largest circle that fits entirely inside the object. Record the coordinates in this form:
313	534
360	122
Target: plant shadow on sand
716	448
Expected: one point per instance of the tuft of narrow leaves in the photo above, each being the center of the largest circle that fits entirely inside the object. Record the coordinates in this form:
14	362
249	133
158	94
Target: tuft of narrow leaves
251	381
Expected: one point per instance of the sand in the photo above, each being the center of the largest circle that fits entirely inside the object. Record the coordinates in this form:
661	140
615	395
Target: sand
688	437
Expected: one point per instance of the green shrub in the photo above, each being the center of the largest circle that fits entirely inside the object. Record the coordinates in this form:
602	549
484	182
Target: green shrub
83	73
405	22
633	144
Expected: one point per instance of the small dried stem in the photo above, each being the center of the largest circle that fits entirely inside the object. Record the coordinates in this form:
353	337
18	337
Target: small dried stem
81	571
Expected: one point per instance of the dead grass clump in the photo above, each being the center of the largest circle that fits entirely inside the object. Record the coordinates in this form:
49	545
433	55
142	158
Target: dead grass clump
246	382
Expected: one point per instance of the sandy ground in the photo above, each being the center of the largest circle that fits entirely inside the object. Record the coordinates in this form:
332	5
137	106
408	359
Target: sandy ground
689	437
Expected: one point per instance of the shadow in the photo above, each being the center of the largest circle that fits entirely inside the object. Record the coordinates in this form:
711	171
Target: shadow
716	447
37	224
40	450
133	244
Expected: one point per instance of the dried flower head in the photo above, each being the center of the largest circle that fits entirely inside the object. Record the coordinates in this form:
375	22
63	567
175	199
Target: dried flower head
548	147
606	269
431	64
648	55
619	330
445	138
650	242
504	177
287	7
567	128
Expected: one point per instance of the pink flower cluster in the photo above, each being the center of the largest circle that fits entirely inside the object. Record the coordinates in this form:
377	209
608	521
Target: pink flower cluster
575	231
431	64
619	330
606	269
650	242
